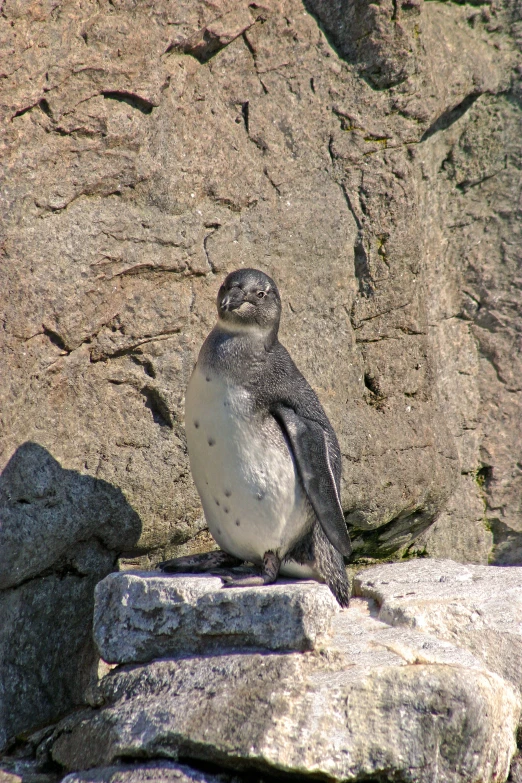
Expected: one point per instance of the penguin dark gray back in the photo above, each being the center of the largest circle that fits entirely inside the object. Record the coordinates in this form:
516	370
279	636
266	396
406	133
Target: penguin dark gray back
244	353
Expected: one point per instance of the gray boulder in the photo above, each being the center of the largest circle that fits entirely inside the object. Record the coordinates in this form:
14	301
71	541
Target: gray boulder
289	714
48	511
60	533
141	616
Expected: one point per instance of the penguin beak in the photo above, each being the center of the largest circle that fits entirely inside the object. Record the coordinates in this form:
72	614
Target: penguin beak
232	300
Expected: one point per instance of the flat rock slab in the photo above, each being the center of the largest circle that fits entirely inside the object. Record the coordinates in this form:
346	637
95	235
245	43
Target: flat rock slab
139	616
153	772
364	642
412	709
473	606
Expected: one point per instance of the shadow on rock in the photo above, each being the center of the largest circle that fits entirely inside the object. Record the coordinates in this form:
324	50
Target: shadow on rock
507	544
367	35
60	533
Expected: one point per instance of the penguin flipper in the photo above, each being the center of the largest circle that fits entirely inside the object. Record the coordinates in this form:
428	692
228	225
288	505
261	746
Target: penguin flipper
309	445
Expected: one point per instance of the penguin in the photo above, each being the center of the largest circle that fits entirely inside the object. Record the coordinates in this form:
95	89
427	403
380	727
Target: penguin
264	457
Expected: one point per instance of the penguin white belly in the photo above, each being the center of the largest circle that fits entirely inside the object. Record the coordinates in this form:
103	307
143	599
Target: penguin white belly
243	470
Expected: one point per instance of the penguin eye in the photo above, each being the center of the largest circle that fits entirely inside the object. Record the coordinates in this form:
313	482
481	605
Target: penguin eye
261	294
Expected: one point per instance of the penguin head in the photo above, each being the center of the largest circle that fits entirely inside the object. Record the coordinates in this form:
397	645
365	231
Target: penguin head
248	300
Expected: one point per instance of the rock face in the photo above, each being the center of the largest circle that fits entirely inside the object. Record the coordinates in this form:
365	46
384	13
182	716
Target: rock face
368	159
140	616
371	700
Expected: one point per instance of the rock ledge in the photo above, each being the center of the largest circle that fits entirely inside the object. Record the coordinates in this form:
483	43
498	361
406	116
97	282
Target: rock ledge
368	700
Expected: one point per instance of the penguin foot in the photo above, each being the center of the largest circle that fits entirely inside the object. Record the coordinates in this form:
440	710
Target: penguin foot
200	563
268	575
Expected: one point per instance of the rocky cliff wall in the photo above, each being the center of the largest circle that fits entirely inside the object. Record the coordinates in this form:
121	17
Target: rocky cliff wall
365	155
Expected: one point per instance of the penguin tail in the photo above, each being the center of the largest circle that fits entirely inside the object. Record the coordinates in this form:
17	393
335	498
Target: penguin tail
330	564
340	587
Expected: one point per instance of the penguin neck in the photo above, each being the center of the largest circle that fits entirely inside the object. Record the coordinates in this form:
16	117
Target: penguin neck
236	352
252	334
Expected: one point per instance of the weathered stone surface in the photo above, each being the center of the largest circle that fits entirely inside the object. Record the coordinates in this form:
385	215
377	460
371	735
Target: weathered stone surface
364	640
394	45
478	607
471	170
153	772
378	701
141	616
60	533
387	166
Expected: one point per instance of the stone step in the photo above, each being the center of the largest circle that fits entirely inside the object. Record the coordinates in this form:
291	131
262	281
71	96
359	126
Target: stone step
139	616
